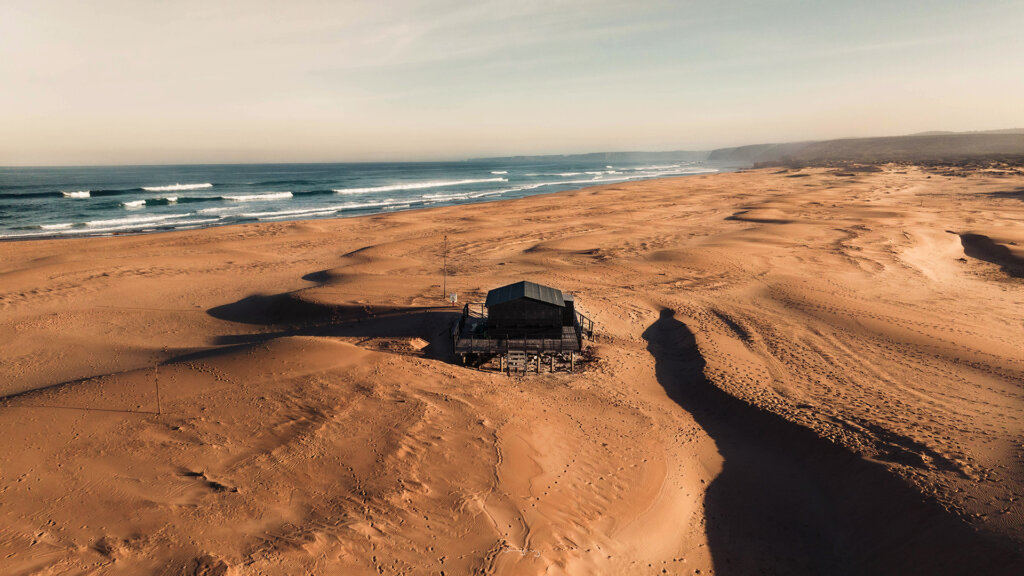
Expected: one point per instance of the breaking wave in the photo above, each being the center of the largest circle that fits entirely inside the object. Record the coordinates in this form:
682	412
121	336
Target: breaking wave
288	213
258	197
133	221
417	185
177	187
434	198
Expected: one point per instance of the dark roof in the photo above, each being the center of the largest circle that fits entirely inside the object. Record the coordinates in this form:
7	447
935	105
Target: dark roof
525	289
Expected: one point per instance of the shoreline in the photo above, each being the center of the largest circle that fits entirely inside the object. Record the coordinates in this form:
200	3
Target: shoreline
113	210
364	214
763	333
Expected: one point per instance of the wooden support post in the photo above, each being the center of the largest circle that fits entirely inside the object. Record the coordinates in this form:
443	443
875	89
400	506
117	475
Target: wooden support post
572	361
538	363
552	363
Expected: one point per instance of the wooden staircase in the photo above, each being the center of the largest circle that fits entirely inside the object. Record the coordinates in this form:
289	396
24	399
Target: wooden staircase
516	361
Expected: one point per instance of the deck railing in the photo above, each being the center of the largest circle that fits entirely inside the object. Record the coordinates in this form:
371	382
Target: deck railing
464	342
584	326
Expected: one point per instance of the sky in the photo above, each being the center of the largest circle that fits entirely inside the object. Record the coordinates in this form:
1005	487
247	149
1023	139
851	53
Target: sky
157	82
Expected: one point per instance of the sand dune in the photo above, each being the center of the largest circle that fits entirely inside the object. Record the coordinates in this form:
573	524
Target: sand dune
819	374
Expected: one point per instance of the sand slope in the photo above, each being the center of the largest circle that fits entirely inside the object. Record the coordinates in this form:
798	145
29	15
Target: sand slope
795	373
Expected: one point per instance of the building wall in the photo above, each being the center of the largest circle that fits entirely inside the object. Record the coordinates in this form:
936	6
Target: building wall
513	319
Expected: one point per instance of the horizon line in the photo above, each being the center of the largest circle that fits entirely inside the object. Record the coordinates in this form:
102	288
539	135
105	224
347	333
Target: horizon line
996	131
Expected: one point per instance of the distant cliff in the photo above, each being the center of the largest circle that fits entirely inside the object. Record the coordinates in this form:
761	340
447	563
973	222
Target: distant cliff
928	147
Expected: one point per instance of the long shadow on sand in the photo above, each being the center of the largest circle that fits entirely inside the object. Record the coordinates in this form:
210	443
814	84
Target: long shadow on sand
984	248
284	315
789	502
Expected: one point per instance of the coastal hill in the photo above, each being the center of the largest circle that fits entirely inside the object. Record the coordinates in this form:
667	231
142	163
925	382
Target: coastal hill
924	147
934	146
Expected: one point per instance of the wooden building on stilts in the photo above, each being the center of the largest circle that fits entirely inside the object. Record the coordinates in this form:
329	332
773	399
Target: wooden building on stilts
522	326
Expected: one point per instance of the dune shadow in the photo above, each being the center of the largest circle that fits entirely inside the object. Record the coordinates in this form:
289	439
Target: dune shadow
983	248
789	502
742	217
320	276
283	315
1017	193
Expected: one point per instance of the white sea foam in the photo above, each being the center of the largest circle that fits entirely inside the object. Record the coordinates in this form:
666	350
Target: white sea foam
75	194
134	204
133	221
259	197
443	197
499	171
693	170
602	179
290	213
417	185
536	185
106	227
221	210
496	192
295	216
152	225
376	204
191	224
171	199
183	224
27	234
561	174
661	167
177	187
491	193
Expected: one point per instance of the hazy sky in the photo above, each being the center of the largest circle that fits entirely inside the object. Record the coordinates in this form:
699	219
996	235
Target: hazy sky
149	81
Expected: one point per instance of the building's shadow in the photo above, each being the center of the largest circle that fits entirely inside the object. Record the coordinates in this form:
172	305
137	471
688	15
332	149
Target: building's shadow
284	315
789	502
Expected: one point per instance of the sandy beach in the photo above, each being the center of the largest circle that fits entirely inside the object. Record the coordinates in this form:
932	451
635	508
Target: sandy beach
815	371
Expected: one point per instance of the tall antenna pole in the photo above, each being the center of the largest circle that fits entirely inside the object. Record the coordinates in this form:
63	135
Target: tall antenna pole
444	282
156	380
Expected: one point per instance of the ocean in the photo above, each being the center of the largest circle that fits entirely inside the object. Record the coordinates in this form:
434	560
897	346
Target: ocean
96	201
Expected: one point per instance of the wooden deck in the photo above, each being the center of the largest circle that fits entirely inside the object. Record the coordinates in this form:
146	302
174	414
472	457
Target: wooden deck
469	336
